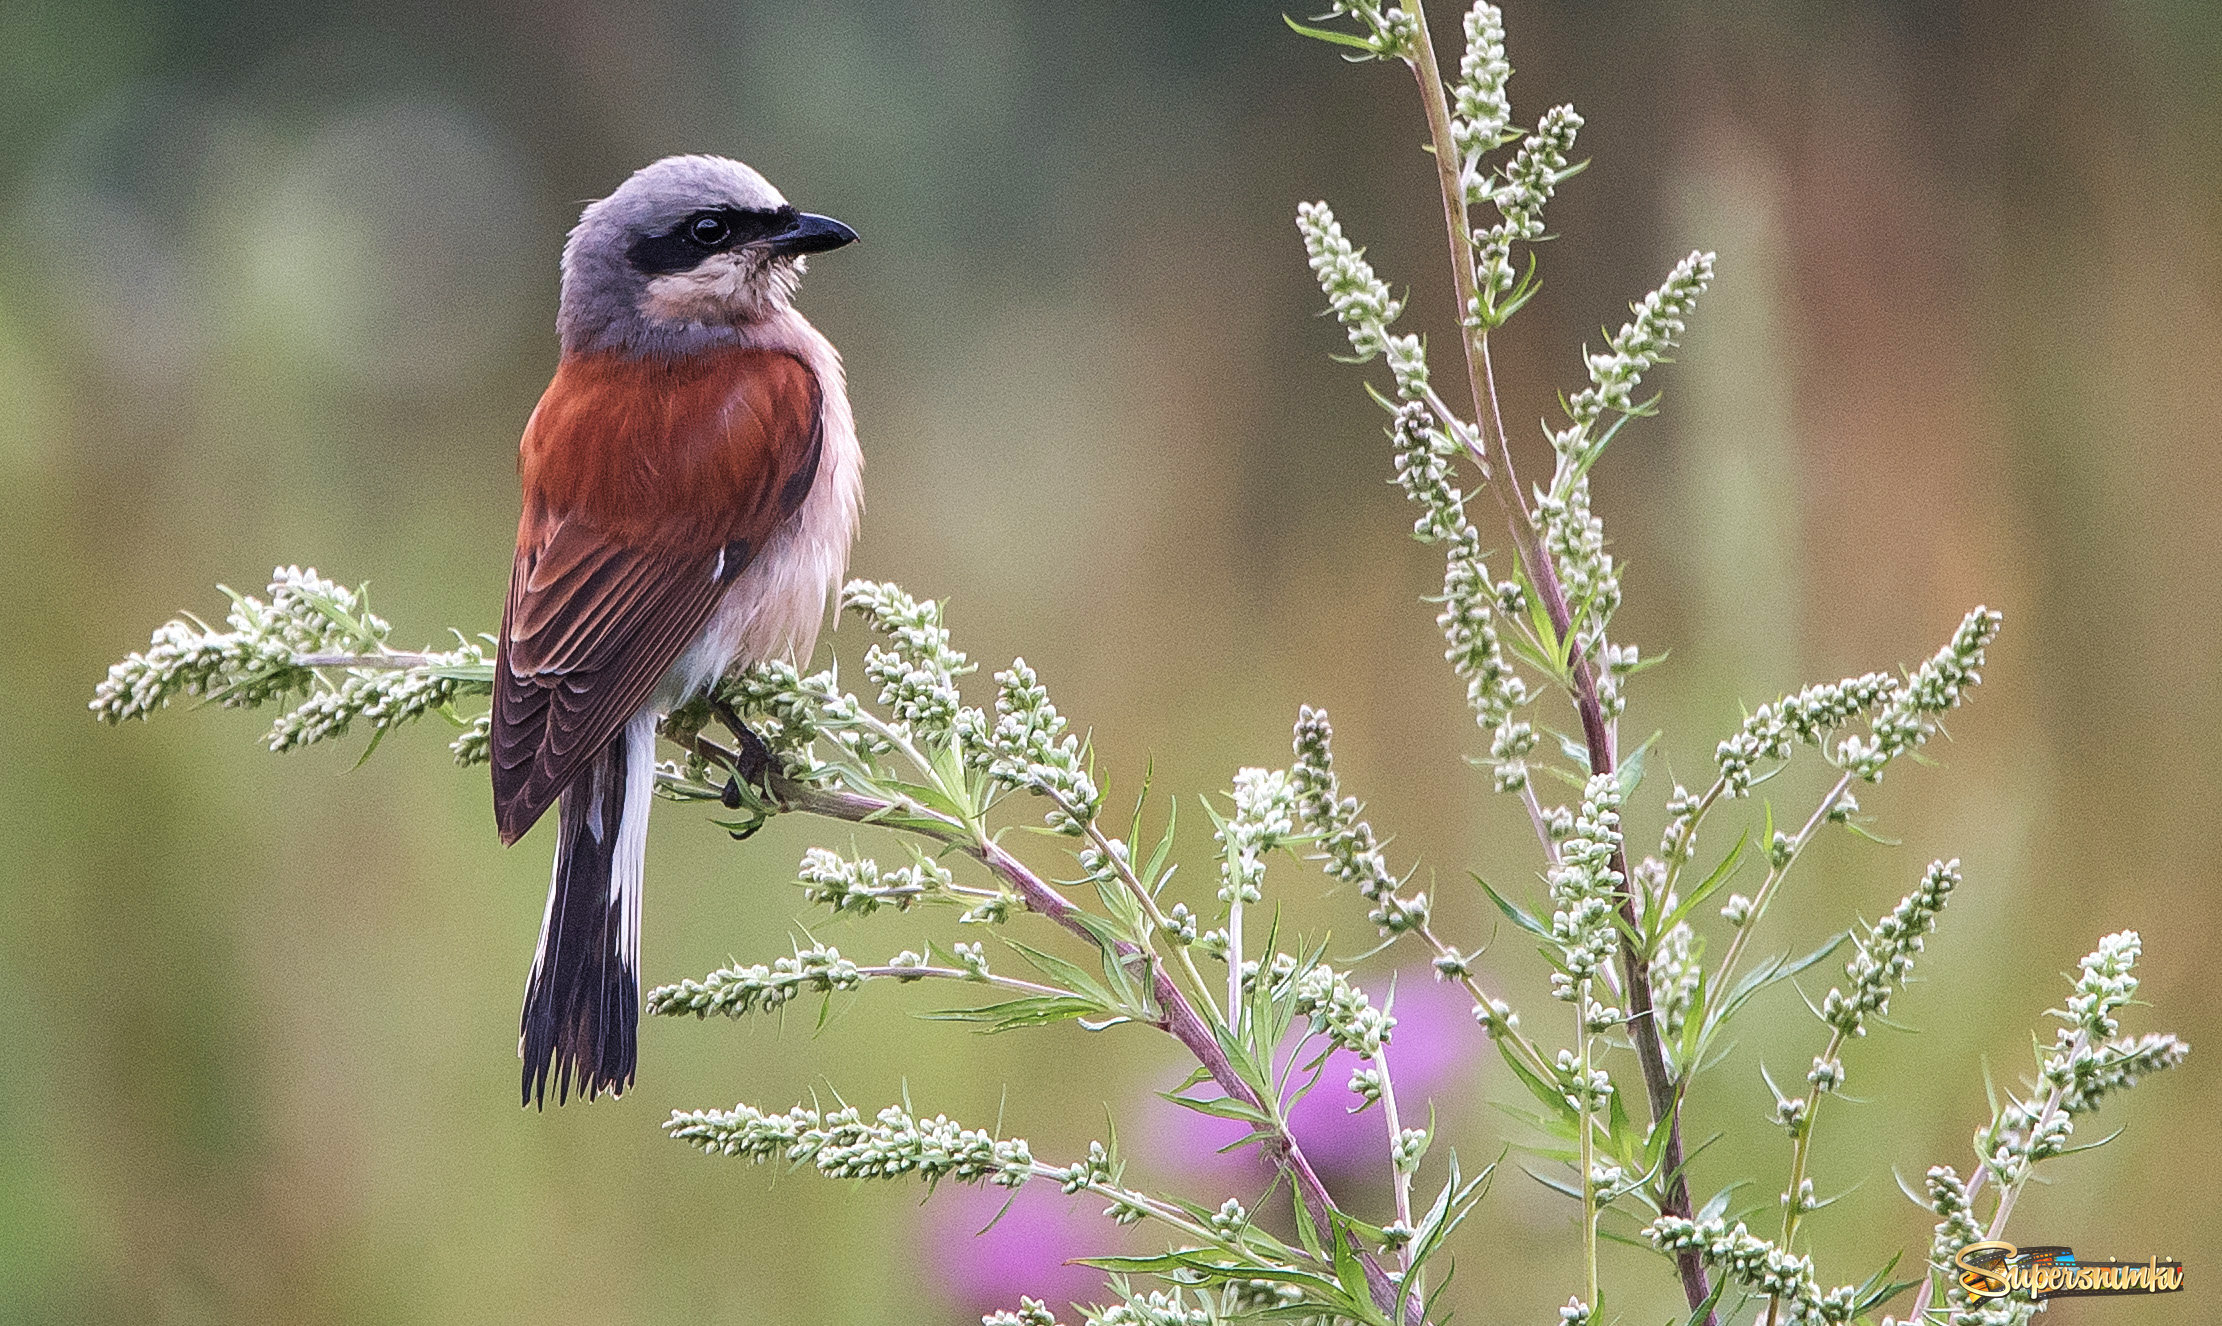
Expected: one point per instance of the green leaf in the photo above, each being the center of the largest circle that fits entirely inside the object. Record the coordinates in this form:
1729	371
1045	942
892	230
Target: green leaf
1513	912
1764	975
1221	1107
1061	972
1558	1186
1331	36
1030	1011
1722	873
1631	766
1717	1205
1551	1097
1879	1288
1703	1312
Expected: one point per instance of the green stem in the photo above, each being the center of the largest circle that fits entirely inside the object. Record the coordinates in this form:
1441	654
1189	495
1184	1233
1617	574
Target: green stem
1495	457
1773	884
953	974
1800	1150
1588	1151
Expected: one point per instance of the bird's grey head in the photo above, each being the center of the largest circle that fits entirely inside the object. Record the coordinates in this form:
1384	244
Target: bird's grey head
688	253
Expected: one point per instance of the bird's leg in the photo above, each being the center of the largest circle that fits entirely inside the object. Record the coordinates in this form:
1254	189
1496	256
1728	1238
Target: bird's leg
754	760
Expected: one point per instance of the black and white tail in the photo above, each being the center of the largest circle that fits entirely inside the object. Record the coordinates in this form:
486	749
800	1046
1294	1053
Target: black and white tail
582	1002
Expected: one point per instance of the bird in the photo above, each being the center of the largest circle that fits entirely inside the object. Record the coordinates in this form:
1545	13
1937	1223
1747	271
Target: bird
691	486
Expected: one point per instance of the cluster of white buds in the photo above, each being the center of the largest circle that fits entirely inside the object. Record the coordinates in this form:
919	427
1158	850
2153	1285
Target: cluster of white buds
1264	818
918	669
1519	192
1426	461
1476	653
2087	1061
1575	539
1426	467
1360	300
1883	958
1030	1312
1589	1089
1534	174
1757	1264
1030	749
475	745
1348	850
1481	107
385	699
972	957
1909	716
1657	324
1807	718
1676	975
1409	1148
1496	1017
1392	32
1097	1167
1230	1219
842	1145
1955	1229
271	652
737	991
1102	866
1585	889
1158	1307
792	711
858	885
1955	1212
1338	1008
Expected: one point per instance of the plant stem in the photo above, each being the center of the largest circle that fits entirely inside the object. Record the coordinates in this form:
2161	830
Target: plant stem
2007	1197
1697	820
1588	1152
1597	732
1178	1015
385	661
1773	884
1400	1178
1542	826
1799	1151
1528	1048
1234	959
952	974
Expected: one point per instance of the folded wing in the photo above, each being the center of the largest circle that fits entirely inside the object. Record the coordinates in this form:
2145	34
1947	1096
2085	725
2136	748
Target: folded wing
649	487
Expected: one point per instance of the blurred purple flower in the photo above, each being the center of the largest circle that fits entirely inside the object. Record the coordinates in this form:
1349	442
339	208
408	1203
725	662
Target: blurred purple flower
1027	1252
1435	1042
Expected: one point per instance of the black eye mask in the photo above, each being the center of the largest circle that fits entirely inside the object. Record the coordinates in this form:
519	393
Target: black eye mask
681	247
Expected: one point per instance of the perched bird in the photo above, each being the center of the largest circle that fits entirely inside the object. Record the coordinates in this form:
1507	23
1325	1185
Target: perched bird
692	484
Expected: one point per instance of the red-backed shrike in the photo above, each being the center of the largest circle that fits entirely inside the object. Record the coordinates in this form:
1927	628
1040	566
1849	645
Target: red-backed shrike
691	487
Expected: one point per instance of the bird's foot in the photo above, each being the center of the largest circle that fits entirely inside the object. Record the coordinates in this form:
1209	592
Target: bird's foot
753	759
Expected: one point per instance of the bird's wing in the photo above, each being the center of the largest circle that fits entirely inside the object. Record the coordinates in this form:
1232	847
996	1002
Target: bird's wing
649	486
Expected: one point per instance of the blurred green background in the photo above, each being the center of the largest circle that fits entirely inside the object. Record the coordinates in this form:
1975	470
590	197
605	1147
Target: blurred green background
278	285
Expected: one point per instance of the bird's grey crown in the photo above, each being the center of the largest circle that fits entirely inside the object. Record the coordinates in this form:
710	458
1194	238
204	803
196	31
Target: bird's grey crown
603	289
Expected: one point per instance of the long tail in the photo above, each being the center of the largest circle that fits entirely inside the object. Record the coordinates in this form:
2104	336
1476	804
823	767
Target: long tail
582	1001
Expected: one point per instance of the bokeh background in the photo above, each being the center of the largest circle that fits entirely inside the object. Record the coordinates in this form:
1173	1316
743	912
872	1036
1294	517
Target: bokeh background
277	286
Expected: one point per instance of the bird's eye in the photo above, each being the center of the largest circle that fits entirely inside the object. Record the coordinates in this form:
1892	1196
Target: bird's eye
708	231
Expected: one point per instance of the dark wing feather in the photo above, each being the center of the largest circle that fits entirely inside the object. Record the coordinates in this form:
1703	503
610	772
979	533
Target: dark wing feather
634	527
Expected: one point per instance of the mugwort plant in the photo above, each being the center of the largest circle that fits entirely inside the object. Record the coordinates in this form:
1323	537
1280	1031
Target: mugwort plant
1650	958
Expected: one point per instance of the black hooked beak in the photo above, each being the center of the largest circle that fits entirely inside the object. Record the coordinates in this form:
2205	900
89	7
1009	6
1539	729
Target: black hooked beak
810	234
